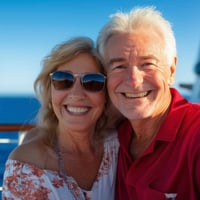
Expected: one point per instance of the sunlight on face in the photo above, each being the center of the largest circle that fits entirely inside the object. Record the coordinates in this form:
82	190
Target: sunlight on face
75	105
138	77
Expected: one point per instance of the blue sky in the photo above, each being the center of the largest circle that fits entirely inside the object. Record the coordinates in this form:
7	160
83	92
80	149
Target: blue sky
29	29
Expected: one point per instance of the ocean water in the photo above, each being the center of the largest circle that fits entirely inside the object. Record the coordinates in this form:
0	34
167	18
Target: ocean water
14	110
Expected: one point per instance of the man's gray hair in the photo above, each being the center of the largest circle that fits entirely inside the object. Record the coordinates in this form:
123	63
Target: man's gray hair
137	18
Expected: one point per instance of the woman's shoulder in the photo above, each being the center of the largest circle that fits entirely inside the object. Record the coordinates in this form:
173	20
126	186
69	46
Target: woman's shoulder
26	152
35	134
31	151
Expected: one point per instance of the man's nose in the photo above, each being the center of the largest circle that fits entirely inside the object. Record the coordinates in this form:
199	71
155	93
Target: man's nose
135	75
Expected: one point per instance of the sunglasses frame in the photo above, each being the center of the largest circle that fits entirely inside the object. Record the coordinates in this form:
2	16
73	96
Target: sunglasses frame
81	76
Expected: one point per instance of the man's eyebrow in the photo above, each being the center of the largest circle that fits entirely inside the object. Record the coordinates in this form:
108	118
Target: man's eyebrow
148	57
114	60
122	59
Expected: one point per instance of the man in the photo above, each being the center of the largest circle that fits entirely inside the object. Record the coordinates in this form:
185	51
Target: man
159	156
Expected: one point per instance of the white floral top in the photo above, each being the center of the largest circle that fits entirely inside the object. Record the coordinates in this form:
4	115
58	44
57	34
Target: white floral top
28	182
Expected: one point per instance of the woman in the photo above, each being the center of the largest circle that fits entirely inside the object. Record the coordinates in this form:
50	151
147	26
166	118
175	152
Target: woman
73	155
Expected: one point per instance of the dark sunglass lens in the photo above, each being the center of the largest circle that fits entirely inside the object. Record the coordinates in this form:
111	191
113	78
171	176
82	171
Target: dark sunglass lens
62	80
93	82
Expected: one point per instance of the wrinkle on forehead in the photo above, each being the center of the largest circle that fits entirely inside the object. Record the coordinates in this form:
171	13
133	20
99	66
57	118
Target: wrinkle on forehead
134	46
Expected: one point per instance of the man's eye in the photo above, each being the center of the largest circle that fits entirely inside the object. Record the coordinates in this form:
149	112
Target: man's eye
118	67
148	64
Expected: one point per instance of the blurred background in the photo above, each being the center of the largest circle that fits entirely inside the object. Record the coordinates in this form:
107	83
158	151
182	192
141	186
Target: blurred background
29	29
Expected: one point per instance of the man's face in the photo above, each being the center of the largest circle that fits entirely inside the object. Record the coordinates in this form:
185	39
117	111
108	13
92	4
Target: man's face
138	74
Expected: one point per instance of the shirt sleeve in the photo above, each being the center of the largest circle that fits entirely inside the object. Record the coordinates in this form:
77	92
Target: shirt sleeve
22	182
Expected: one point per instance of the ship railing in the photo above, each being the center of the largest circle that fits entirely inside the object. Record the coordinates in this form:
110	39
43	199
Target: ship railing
21	129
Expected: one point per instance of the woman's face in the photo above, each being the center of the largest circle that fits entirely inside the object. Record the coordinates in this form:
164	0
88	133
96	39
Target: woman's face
76	108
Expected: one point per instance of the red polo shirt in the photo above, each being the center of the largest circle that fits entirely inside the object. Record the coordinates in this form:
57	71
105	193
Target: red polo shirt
170	167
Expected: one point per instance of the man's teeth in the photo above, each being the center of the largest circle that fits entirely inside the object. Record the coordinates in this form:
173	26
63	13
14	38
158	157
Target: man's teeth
77	110
138	95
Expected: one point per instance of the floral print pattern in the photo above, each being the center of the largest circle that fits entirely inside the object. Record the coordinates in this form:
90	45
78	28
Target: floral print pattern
23	181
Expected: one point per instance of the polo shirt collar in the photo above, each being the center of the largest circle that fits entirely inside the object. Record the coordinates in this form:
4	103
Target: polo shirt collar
172	122
169	128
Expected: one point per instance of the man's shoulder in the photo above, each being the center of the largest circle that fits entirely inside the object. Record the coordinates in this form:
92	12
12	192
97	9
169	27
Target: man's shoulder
191	118
193	111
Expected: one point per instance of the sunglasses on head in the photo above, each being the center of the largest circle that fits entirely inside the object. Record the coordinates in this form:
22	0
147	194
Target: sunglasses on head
63	80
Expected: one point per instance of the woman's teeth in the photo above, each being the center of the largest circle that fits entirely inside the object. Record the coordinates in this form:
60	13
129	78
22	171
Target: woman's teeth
77	110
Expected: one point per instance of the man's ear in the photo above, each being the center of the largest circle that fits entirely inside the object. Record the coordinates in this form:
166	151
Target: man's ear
172	72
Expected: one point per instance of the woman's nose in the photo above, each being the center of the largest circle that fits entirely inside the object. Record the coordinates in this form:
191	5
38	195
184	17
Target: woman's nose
76	90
